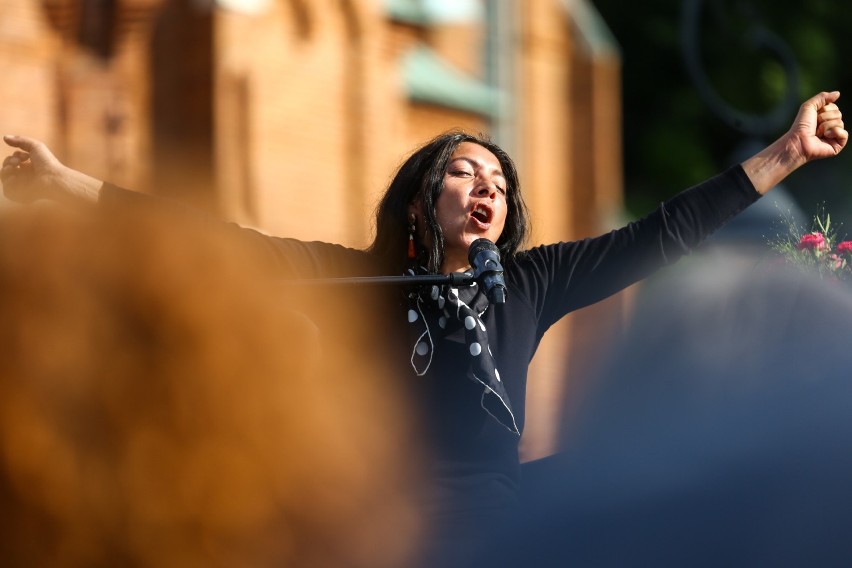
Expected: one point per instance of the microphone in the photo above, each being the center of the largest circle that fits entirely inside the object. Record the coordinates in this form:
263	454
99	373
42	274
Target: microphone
484	257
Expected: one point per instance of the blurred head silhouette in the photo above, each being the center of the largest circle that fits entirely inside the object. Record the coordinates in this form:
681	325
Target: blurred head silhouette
716	435
161	406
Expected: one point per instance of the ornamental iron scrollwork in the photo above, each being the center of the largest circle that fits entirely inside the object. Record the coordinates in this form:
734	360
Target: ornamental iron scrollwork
756	37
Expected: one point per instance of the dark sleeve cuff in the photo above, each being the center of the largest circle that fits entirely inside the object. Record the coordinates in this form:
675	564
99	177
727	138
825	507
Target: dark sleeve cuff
694	214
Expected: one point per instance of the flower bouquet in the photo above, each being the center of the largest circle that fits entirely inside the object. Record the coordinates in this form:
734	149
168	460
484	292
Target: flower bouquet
817	249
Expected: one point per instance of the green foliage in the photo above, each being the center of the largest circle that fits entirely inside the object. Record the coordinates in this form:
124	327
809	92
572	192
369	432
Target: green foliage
672	137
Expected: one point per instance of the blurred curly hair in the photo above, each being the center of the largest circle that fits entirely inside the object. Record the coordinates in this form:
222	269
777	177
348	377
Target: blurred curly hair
160	407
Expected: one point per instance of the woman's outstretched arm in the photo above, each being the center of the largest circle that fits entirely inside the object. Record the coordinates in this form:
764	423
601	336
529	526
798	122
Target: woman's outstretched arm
32	172
817	132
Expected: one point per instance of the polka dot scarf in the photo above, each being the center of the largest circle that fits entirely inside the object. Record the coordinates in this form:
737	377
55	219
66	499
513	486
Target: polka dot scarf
438	311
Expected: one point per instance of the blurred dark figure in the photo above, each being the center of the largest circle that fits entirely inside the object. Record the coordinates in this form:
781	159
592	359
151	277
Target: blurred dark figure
162	405
717	435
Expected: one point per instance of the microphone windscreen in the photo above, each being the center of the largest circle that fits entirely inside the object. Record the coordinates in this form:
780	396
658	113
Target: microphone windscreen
480	245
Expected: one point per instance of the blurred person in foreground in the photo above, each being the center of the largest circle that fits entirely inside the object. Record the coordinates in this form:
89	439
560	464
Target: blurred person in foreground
717	434
160	407
466	360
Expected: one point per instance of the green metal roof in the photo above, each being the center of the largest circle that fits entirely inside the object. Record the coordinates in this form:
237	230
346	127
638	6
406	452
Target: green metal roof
430	12
407	11
429	79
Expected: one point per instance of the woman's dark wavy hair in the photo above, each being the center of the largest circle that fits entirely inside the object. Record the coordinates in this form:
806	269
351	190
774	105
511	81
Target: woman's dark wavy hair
421	177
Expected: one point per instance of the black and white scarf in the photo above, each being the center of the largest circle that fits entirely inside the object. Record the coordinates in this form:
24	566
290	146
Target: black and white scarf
434	313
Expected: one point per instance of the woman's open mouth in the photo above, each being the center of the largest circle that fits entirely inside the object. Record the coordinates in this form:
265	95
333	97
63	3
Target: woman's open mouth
482	215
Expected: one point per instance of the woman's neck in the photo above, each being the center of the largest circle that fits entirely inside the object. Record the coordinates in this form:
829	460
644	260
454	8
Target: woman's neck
454	263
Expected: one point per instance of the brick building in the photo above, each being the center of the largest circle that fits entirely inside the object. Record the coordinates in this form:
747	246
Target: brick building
291	115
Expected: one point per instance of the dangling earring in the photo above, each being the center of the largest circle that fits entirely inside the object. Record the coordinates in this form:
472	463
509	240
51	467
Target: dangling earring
411	228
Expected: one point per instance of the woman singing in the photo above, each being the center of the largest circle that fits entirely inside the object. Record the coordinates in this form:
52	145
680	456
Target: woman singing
468	358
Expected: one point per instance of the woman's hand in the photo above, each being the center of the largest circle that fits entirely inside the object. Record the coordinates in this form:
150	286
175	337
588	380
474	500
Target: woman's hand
818	128
32	172
817	132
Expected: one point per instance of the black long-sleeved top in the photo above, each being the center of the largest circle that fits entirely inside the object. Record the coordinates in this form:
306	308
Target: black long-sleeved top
476	464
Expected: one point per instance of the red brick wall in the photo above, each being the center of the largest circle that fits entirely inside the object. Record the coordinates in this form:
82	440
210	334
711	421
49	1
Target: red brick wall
29	92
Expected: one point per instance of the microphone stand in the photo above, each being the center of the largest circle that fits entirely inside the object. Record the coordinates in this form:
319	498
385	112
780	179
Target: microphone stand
484	259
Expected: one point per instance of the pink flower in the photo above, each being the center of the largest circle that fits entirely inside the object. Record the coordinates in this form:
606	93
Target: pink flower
844	248
835	262
813	241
